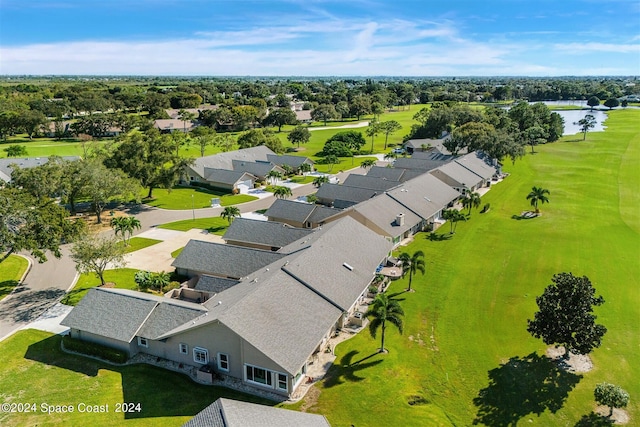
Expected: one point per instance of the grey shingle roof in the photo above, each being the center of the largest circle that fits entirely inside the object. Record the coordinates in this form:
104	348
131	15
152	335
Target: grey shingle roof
345	192
268	233
459	174
287	320
436	144
259	169
225	160
166	317
122	314
425	195
478	164
322	267
214	284
391	174
364	181
25	163
415	163
224	176
223	260
233	413
300	212
432	155
284	159
383	210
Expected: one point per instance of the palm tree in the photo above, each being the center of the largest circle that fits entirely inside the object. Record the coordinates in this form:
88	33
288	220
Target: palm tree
471	200
125	225
382	310
282	192
412	264
536	195
390	156
453	216
319	180
274	176
368	163
229	213
304	168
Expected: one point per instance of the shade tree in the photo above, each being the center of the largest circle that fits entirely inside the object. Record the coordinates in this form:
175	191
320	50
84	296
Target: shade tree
611	395
94	254
565	315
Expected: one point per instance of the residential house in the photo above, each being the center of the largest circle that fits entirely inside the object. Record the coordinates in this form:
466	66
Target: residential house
234	413
302	215
423	165
217	259
387	217
426	144
265	329
258	169
468	172
426	196
343	196
265	235
369	182
24	163
394	173
228	180
294	162
174	113
174	125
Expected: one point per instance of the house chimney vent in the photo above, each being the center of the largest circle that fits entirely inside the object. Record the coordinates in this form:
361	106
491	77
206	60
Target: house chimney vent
347	266
400	219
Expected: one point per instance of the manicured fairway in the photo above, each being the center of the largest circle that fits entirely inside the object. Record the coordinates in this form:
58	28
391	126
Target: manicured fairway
35	371
469	313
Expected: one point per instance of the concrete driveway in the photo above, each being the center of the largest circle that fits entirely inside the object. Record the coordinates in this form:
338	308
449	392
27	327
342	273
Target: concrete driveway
158	257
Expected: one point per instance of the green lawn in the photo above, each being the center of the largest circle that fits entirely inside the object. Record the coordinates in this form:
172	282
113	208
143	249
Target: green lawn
214	225
35	370
137	243
44	147
175	253
11	271
308	179
193	198
465	353
122	277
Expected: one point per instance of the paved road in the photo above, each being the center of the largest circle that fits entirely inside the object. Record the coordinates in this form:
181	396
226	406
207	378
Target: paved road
47	283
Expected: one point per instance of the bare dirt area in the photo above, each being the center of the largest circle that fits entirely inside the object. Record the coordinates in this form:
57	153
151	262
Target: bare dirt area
620	416
576	362
92	221
310	399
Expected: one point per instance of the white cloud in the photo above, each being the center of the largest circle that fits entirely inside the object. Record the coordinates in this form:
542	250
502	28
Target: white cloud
580	48
307	47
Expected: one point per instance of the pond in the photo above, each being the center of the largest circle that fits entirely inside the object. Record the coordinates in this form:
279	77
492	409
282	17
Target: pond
571	117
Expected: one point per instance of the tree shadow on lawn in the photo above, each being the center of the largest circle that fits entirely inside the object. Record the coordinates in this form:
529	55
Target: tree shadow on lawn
215	230
594	420
435	237
160	392
346	369
6	287
524	385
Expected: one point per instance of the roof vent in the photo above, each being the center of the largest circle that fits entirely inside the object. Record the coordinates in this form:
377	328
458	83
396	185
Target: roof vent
219	302
427	199
255	280
347	266
400	219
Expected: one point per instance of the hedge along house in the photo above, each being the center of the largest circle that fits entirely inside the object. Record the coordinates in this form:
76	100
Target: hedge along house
265	329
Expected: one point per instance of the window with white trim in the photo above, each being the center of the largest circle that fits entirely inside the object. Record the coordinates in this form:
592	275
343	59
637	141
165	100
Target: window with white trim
201	355
142	342
184	348
282	382
258	375
223	362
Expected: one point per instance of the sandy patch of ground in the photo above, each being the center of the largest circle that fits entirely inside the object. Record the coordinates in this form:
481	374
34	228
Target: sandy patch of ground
310	399
575	363
620	416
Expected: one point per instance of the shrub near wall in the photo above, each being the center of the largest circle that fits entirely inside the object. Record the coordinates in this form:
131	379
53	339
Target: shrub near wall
93	349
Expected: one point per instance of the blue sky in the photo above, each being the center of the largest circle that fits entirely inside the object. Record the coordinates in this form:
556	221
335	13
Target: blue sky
320	37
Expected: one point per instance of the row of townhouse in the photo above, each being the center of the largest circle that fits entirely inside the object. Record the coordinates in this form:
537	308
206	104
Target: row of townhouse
240	169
